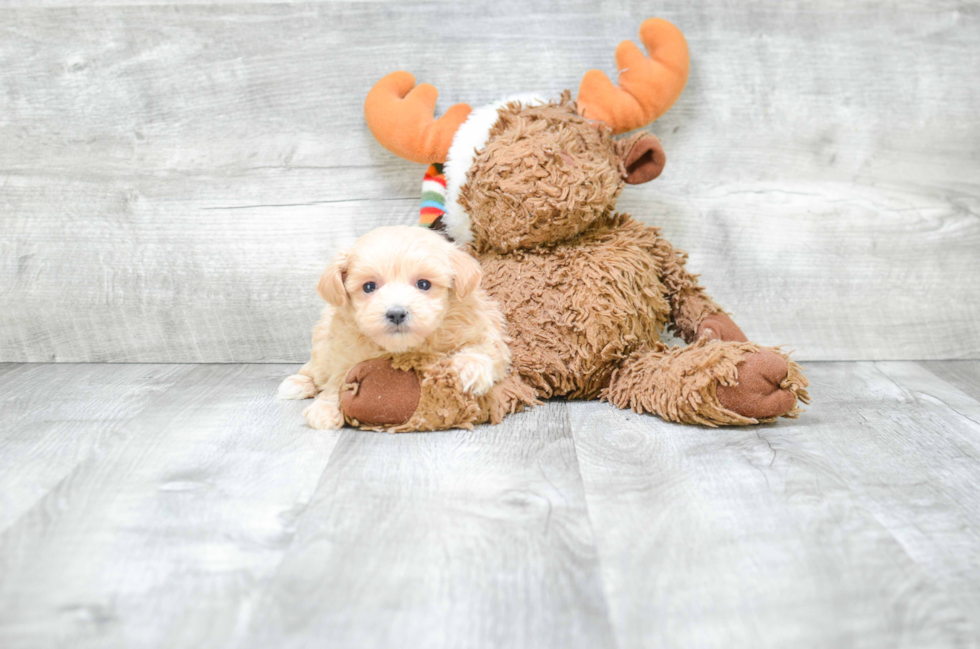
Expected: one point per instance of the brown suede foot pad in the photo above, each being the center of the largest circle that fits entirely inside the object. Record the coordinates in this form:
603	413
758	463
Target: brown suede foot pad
718	326
376	394
758	394
710	382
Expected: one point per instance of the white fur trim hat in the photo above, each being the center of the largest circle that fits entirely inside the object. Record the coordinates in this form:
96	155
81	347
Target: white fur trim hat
471	137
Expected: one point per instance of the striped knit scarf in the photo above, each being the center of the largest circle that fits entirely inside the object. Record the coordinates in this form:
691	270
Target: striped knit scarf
433	196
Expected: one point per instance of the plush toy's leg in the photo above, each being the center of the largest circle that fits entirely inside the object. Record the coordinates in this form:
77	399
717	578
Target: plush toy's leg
711	382
408	393
376	394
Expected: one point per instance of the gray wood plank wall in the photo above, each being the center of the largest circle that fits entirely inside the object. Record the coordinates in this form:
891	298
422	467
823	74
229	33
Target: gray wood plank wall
173	177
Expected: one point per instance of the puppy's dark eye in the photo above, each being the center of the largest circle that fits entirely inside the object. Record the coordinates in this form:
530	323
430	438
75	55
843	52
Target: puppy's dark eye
423	284
370	287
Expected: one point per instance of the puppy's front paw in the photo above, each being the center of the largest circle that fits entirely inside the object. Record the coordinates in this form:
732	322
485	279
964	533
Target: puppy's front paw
297	386
475	372
323	415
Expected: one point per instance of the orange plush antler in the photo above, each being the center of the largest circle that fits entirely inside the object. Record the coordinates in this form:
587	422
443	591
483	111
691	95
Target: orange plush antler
402	117
647	86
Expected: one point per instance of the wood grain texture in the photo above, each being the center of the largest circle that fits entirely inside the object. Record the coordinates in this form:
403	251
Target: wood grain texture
173	178
461	539
213	517
57	416
854	526
964	375
6	368
165	538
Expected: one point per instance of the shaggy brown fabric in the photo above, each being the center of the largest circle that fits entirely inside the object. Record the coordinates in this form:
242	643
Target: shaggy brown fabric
376	392
681	383
442	403
545	175
689	304
576	309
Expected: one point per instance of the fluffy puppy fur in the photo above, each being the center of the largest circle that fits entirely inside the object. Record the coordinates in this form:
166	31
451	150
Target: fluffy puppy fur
399	289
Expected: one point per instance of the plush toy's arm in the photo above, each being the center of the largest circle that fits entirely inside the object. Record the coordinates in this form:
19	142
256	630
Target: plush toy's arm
693	313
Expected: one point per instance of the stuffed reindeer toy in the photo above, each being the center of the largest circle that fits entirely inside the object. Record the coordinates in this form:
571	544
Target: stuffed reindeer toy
530	187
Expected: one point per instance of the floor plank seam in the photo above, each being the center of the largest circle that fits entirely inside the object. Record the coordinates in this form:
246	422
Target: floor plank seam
269	579
911	393
617	642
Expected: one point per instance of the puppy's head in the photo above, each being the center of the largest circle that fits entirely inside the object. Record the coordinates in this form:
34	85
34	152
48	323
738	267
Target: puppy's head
400	282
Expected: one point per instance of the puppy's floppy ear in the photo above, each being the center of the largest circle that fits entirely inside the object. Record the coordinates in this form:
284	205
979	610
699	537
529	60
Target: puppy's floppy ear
466	272
331	286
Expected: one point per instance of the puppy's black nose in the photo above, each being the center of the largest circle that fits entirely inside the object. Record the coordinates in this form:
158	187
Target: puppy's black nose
396	315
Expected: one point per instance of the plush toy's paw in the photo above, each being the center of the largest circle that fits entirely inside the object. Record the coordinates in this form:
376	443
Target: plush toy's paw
475	372
376	394
323	415
719	326
297	386
764	389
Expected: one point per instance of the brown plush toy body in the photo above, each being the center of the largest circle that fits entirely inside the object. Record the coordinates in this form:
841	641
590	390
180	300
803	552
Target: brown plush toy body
531	186
586	318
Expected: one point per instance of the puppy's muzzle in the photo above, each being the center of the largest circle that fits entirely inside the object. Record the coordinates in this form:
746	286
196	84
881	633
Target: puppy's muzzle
396	315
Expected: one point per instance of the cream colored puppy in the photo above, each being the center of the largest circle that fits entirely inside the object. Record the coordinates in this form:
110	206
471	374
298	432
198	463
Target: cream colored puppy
400	288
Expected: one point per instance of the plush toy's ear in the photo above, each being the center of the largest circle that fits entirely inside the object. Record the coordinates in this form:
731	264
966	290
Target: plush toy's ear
331	286
643	157
466	273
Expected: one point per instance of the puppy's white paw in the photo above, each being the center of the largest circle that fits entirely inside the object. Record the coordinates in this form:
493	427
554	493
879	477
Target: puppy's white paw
323	415
475	372
297	386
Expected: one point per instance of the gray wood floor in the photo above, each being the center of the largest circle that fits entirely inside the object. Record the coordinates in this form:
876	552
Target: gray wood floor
183	506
